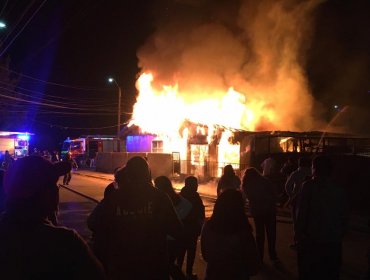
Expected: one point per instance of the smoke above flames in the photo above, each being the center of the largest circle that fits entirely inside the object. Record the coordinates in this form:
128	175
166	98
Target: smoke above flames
256	47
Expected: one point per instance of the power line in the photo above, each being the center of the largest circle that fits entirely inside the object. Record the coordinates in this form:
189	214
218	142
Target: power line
81	108
24	26
18	20
90	100
64	103
63	114
81	128
55	84
45	104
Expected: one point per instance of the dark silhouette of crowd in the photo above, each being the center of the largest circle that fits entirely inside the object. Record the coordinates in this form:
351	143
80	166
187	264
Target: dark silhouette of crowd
146	230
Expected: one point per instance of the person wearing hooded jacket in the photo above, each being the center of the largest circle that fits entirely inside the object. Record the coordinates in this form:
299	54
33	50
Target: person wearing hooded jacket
133	226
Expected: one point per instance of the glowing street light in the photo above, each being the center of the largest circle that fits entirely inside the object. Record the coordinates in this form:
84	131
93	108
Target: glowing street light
112	80
2	25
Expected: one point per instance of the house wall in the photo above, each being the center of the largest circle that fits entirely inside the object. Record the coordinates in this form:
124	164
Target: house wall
139	143
160	164
7	144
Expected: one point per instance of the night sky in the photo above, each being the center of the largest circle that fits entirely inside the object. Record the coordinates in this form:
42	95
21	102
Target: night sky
67	50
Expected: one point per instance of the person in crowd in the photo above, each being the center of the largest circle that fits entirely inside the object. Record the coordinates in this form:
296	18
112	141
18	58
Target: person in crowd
67	177
46	155
192	225
8	160
92	161
183	208
2	192
227	243
113	186
55	156
30	247
368	255
228	180
36	152
261	195
293	188
321	224
133	226
288	167
96	215
269	167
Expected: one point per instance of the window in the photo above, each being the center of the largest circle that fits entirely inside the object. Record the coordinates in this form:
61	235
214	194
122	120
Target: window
157	146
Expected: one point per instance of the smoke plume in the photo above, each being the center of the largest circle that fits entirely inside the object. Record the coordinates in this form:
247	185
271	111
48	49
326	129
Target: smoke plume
256	47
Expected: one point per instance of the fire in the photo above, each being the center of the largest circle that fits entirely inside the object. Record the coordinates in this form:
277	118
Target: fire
242	69
158	112
227	153
162	111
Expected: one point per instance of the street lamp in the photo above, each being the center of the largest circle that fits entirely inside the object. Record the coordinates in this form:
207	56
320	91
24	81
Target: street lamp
2	25
111	80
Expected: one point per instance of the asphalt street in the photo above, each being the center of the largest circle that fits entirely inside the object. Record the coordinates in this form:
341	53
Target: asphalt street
74	210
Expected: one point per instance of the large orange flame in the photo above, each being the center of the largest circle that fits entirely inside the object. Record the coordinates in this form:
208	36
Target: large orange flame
162	111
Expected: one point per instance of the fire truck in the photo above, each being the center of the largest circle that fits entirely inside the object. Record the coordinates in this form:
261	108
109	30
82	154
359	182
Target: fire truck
16	143
85	148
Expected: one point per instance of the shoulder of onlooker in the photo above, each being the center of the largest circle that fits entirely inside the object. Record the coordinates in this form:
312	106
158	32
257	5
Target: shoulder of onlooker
64	236
159	196
61	230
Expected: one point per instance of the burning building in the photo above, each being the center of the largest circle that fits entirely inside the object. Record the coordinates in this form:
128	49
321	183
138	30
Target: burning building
202	141
197	149
212	69
226	86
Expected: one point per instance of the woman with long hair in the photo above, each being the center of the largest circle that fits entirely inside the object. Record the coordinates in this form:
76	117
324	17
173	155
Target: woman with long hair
228	180
227	242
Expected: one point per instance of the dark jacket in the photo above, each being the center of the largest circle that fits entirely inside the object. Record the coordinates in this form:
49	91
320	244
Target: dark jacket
193	222
131	233
229	256
322	214
34	249
262	196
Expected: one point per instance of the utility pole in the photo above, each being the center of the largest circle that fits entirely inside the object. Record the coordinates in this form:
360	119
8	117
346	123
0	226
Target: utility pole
119	118
111	80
